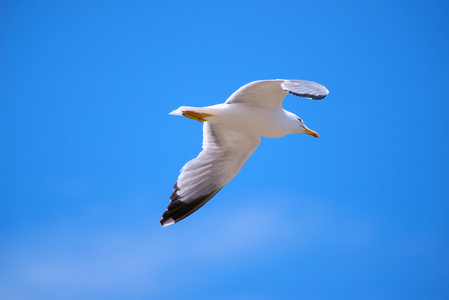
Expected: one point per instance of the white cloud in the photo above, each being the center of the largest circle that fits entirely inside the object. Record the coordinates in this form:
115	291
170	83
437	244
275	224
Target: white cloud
69	262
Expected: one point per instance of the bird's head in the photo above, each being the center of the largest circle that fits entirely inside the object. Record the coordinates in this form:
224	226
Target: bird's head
302	128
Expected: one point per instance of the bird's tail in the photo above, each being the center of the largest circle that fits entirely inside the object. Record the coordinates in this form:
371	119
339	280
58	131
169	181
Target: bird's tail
179	111
199	114
201	110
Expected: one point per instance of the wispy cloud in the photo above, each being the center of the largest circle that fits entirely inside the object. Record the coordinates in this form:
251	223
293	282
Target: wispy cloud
74	262
68	262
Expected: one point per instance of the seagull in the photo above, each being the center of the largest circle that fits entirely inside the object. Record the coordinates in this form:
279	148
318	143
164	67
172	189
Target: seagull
231	133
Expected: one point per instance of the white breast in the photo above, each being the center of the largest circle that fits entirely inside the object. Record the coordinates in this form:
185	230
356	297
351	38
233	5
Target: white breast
271	123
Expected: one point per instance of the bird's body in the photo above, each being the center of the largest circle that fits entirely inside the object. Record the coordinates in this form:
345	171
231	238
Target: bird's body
231	134
240	117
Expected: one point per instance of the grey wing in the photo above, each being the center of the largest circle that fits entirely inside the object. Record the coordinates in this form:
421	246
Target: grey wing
224	153
271	93
304	88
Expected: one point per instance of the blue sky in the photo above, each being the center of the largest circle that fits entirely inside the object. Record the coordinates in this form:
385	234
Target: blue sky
89	153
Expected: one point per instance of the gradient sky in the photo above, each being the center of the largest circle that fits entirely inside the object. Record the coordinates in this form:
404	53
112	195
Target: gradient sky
89	154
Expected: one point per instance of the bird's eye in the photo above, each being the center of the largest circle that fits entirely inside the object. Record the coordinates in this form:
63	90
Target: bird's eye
299	119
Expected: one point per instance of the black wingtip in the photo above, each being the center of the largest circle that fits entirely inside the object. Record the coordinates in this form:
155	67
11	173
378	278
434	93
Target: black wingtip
313	97
305	89
178	210
167	221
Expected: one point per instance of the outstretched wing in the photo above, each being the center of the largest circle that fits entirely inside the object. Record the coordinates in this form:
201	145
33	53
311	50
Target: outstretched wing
224	153
304	88
271	93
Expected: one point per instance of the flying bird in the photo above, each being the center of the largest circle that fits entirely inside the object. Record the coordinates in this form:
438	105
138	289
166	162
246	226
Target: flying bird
231	133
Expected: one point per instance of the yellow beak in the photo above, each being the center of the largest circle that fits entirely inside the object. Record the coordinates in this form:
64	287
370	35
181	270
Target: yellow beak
312	133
